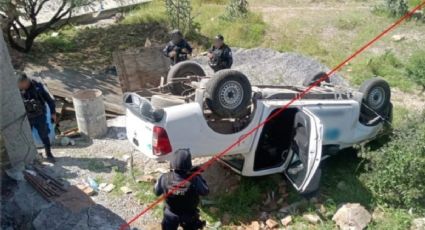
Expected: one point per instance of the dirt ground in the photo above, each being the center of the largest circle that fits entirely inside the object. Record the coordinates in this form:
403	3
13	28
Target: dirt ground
101	159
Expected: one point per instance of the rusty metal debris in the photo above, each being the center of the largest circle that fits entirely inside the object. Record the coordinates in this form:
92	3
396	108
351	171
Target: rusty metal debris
46	185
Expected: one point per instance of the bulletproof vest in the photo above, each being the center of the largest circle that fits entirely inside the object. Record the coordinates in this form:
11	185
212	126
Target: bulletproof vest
33	102
184	198
217	53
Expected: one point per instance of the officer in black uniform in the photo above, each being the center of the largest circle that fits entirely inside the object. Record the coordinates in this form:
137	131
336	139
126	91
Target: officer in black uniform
35	98
181	206
178	49
220	55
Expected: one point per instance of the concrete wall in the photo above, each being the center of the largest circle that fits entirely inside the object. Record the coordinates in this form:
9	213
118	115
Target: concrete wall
15	130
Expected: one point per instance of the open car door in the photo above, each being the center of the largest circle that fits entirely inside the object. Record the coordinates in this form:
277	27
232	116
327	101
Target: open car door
305	152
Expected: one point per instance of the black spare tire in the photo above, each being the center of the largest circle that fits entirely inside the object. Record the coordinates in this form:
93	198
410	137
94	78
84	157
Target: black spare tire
376	99
177	76
228	93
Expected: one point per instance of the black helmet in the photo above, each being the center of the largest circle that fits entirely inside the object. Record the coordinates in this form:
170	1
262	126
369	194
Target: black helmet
22	76
176	36
219	37
181	161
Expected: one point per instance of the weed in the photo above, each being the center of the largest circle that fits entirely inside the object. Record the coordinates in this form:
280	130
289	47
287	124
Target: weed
153	12
396	171
416	68
387	66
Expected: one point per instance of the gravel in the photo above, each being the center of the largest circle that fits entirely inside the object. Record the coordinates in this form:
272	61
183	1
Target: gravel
269	67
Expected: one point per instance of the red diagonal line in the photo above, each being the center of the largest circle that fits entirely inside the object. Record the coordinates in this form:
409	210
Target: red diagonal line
298	97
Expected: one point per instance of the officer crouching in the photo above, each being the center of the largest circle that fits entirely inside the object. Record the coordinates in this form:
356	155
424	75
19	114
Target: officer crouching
35	98
220	55
181	206
178	49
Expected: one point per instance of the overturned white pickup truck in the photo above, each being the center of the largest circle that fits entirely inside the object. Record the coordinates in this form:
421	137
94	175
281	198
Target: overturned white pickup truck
208	114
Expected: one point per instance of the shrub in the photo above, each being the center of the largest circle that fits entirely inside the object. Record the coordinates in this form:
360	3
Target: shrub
396	7
395	173
416	68
236	9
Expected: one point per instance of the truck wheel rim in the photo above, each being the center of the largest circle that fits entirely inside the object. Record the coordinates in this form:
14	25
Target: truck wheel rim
231	95
376	98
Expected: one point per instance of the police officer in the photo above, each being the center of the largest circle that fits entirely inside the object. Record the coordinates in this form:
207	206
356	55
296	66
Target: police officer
220	55
178	49
181	206
35	98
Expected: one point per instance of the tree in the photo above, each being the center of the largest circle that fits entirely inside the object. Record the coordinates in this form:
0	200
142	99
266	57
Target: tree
416	69
14	14
179	14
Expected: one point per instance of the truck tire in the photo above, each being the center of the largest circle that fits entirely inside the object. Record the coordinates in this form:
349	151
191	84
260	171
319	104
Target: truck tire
163	101
376	99
228	93
182	70
308	81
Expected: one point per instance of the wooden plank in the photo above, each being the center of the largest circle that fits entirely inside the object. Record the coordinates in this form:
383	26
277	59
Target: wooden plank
65	82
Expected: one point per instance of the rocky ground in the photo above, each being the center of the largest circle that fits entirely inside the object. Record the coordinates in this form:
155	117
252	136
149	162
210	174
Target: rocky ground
269	67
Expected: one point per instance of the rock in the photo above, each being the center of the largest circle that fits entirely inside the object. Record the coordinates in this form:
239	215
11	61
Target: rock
271	223
286	221
225	219
65	141
352	216
418	224
146	178
126	157
107	188
311	218
398	37
126	190
255	225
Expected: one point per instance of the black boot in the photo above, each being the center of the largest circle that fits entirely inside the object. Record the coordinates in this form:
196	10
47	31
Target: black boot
49	156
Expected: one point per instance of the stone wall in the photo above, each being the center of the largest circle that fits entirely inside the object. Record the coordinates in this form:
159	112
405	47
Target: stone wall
15	131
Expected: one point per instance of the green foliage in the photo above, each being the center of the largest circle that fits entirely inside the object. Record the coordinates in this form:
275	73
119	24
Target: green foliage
236	9
152	12
396	7
179	13
14	12
416	68
62	43
242	32
386	65
396	171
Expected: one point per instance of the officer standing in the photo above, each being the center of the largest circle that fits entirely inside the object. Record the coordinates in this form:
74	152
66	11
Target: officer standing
178	49
35	98
220	55
181	206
